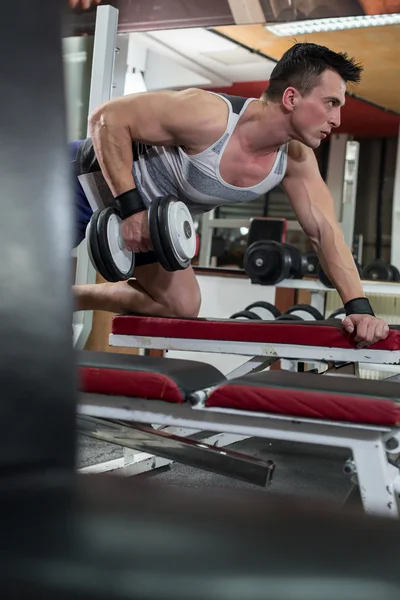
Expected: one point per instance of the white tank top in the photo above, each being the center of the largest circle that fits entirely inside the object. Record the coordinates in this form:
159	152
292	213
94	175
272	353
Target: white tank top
194	179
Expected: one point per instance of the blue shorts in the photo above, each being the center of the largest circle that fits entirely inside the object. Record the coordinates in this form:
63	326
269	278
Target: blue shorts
84	211
82	206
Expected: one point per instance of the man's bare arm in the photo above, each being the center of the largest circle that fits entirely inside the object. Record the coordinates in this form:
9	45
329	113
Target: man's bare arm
190	118
314	209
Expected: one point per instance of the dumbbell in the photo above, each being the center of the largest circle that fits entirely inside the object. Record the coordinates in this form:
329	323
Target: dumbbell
265	310
305	312
339	313
268	262
246	315
172	235
323	277
378	270
312	264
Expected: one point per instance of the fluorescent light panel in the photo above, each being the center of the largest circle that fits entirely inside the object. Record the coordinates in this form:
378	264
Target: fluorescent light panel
334	24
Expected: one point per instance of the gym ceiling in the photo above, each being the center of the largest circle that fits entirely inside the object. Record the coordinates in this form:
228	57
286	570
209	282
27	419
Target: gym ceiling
377	48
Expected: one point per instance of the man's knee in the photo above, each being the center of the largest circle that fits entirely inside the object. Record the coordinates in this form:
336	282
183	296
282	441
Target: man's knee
187	305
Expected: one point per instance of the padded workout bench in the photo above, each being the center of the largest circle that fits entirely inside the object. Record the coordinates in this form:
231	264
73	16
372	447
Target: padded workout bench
264	341
361	415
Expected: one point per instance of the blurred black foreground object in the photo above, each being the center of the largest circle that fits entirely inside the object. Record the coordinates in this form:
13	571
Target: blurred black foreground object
116	538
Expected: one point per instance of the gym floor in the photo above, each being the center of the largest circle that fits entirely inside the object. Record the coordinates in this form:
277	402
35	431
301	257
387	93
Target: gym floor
303	471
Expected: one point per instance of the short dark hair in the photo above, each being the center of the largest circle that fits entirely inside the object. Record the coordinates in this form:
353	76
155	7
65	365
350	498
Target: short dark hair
302	65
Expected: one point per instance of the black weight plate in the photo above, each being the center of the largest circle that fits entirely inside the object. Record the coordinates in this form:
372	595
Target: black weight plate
119	264
265	310
339	313
288	317
246	314
267	262
166	235
155	235
298	262
325	279
312	264
94	249
310	312
396	273
377	270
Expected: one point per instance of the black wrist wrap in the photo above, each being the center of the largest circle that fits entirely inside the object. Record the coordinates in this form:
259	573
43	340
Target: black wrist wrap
358	306
129	203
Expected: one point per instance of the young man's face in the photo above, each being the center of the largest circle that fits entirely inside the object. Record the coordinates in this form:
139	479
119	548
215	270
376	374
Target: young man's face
314	116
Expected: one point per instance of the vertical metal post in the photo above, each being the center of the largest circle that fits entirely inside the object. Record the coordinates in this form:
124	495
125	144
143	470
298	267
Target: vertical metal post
37	370
350	191
101	90
206	238
395	247
342	181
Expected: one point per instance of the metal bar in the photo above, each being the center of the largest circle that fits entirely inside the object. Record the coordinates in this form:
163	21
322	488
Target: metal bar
206	239
350	191
269	349
184	450
101	89
395	237
36	233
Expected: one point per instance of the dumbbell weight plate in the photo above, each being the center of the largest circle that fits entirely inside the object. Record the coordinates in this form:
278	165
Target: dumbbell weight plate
119	262
305	312
377	270
267	262
396	273
289	317
155	235
177	233
265	310
298	265
325	279
312	264
93	247
246	315
339	313
172	233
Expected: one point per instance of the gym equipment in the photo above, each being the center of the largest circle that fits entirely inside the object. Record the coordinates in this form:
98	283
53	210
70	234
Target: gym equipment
247	315
312	263
339	313
269	262
172	234
322	276
265	229
298	266
306	312
265	310
289	317
378	270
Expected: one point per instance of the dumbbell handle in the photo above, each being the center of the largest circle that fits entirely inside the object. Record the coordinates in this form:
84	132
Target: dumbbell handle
129	203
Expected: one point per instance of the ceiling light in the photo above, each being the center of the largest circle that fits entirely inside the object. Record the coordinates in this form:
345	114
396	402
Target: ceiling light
334	24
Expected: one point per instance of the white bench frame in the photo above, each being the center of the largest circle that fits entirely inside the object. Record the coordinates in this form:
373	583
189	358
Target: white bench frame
378	479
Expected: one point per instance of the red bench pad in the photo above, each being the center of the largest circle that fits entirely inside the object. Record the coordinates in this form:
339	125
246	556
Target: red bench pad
312	396
311	333
148	377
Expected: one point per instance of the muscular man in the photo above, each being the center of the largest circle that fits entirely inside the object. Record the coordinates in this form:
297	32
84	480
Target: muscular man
208	149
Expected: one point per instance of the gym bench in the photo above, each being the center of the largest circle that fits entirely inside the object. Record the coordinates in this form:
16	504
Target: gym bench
121	391
264	341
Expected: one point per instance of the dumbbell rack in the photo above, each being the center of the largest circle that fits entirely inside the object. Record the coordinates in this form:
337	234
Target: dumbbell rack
318	290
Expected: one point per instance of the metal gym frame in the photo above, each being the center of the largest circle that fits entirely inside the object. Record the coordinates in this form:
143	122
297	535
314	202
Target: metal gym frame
107	81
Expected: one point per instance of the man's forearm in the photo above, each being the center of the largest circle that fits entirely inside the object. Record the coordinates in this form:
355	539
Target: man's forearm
112	144
338	264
